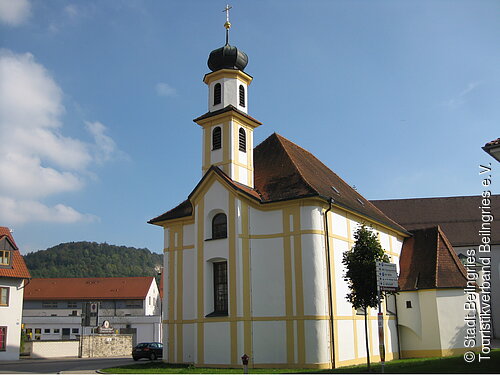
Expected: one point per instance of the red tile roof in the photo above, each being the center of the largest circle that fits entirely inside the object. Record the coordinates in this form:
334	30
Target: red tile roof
82	288
285	171
495	142
428	261
18	267
459	217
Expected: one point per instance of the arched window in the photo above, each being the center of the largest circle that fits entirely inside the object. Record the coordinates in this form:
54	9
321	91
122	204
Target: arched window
242	96
217	93
216	138
219	226
220	288
243	140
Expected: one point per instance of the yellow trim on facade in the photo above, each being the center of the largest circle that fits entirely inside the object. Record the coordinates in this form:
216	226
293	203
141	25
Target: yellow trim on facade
287	265
187	247
227	73
245	255
436	352
180	294
171	295
200	358
299	284
232	217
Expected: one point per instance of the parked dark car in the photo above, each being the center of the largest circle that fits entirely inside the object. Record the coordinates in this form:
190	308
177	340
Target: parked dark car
151	350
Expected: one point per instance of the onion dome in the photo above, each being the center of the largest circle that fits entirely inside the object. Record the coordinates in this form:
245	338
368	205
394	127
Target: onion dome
227	57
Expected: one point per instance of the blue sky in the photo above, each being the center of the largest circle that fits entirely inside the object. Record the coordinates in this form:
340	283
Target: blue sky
97	100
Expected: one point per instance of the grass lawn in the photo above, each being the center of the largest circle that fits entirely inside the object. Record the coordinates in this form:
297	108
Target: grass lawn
406	366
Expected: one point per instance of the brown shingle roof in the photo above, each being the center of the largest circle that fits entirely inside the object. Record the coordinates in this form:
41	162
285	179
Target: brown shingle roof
428	261
82	288
459	217
284	171
495	142
18	267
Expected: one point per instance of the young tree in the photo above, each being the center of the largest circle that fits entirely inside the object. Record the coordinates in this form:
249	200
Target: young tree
361	273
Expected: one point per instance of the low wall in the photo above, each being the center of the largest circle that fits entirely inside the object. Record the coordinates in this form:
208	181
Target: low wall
94	346
52	349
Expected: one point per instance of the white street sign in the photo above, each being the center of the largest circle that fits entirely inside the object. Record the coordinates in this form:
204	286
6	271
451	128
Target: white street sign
387	276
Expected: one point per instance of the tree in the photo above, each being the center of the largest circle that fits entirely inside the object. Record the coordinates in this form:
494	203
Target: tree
361	274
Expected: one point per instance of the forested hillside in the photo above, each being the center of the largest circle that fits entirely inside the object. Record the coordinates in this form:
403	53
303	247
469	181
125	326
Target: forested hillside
92	259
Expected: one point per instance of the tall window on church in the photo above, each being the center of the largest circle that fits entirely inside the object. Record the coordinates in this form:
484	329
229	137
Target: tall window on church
242	96
219	226
216	138
220	288
217	93
243	140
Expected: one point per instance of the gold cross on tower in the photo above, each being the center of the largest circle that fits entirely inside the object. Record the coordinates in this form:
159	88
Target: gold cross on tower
227	25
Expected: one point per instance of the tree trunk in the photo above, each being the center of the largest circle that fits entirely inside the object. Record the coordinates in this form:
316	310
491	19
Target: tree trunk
366	341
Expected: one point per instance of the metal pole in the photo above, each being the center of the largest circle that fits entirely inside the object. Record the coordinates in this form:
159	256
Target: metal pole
381	329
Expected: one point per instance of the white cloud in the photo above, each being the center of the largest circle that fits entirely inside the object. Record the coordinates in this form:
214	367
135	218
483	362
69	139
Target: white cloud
164	89
36	160
461	97
105	147
71	10
20	211
14	12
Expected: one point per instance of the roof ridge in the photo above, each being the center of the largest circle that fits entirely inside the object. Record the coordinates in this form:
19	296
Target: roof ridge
451	252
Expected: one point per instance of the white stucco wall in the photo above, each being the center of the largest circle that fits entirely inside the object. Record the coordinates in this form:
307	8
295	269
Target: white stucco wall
10	317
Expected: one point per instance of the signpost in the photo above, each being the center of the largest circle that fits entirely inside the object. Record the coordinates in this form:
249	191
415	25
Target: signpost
387	281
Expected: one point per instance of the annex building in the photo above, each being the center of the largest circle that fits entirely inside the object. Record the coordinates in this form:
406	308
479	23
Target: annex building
53	307
253	256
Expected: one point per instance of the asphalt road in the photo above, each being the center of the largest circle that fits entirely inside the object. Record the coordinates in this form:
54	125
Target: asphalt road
61	365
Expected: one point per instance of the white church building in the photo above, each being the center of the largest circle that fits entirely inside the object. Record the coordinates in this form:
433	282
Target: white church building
253	257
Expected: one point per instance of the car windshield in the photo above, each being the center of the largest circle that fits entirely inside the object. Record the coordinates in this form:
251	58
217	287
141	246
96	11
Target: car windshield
143	345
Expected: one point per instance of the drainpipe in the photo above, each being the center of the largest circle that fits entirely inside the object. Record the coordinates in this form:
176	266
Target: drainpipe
329	283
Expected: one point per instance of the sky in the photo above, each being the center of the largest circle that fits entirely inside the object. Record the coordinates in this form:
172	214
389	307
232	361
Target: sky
97	100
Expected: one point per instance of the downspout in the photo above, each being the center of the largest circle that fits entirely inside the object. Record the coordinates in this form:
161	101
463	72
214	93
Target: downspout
329	283
397	323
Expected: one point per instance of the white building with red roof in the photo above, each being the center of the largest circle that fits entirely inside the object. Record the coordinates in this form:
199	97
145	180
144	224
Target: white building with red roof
13	274
53	307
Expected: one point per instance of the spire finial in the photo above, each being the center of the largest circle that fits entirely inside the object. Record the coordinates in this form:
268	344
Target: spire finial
227	25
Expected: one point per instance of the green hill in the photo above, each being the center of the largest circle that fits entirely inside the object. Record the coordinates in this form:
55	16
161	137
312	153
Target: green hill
92	259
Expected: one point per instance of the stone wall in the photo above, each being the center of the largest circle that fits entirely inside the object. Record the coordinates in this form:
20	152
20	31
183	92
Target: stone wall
94	346
52	348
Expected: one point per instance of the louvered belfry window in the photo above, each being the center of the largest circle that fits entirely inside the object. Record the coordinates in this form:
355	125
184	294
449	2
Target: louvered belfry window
219	226
242	96
216	138
243	140
217	93
220	288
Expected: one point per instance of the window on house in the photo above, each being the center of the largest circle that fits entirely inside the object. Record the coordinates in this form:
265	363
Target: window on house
5	257
220	288
243	140
75	330
3	339
46	330
49	304
242	96
219	226
4	296
408	304
71	305
216	138
57	330
217	93
38	331
133	303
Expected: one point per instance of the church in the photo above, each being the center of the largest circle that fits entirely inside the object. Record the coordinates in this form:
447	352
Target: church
253	256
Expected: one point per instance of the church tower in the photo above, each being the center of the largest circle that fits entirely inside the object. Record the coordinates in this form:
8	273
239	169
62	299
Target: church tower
227	127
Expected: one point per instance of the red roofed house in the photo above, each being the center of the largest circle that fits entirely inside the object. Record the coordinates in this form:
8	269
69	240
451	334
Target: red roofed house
13	274
493	148
53	307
